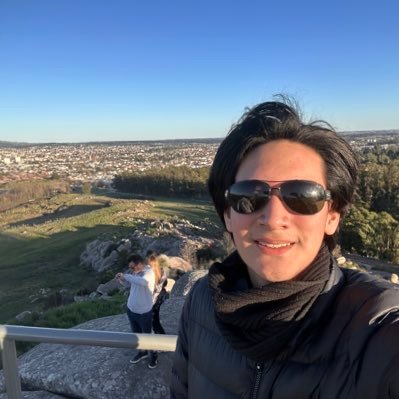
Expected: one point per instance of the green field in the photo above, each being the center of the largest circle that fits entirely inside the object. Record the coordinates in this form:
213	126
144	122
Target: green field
41	242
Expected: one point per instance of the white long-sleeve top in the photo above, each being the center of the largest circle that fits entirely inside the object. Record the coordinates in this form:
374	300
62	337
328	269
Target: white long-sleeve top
141	290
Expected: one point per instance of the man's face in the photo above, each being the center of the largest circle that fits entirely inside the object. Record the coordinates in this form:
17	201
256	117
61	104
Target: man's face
136	267
275	242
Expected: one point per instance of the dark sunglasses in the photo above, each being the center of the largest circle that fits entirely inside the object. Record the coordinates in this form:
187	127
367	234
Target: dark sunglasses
301	196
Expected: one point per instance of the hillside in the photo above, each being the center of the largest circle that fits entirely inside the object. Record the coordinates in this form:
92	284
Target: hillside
41	242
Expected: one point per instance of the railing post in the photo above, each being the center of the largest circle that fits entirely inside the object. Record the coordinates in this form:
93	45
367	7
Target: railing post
10	368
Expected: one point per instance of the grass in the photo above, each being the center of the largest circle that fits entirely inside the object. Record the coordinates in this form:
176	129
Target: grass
41	242
76	313
71	315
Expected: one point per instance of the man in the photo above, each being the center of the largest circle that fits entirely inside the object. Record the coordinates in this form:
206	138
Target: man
139	303
277	318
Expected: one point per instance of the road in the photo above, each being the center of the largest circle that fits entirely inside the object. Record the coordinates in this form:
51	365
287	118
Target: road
371	263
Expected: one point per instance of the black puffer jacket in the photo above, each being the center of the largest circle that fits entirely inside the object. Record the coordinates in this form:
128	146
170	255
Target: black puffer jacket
347	347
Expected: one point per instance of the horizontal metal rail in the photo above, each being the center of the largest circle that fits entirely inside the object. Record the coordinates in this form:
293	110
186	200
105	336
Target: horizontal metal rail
10	334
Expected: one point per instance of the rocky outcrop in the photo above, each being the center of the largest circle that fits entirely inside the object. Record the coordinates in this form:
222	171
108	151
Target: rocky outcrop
102	373
99	255
179	239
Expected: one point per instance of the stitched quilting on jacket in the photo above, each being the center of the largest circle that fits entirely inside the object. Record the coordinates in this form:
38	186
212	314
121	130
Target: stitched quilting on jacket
347	347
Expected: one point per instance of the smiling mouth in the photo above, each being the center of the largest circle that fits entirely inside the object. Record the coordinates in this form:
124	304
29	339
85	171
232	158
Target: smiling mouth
275	245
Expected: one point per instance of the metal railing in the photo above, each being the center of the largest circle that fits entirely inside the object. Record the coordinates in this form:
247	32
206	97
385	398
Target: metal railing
10	334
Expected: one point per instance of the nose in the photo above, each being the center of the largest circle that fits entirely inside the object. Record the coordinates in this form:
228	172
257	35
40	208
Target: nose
274	214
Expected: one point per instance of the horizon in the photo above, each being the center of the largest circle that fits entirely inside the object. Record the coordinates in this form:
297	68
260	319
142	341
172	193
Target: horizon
187	139
97	72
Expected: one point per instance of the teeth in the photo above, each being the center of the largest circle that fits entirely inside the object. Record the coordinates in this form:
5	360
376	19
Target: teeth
274	245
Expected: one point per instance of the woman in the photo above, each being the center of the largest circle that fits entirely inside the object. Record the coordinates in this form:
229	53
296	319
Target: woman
277	318
160	293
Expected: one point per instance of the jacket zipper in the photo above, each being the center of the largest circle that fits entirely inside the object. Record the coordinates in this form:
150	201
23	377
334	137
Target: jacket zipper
259	370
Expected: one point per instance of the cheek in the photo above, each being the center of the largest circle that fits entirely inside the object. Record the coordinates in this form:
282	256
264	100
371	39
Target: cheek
312	227
240	223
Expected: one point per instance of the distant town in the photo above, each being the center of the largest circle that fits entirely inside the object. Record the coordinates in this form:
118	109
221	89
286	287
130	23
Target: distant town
99	162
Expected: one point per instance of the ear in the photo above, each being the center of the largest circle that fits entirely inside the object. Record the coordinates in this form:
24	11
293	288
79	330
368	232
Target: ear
227	219
332	222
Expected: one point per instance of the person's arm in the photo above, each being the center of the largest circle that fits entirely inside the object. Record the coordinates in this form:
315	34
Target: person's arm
121	278
136	279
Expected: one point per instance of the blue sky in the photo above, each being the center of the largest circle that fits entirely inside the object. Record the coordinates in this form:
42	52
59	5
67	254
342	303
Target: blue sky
98	70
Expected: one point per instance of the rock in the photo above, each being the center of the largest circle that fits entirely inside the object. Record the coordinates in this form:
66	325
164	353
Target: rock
23	315
94	372
110	286
176	263
99	255
170	312
394	278
36	395
44	292
124	246
93	296
174	239
185	283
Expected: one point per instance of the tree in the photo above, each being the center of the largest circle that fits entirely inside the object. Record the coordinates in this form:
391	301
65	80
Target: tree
86	188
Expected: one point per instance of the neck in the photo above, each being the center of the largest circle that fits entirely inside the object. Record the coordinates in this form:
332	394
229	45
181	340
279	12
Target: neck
256	280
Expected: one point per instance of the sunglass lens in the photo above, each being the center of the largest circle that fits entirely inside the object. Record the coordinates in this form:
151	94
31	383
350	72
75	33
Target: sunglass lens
304	197
248	196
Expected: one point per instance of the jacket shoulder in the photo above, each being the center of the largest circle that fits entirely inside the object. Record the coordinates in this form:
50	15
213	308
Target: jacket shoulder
373	332
362	289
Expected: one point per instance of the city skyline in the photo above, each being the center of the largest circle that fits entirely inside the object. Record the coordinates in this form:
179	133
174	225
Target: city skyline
97	71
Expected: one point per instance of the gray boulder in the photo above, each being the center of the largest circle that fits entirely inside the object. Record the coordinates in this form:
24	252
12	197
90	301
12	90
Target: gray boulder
174	263
110	286
185	283
99	255
22	316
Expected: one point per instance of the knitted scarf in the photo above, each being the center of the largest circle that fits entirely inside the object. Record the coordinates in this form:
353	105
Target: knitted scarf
260	322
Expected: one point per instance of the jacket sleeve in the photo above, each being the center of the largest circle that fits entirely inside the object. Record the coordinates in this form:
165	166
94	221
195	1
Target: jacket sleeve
392	362
379	370
179	380
146	280
139	280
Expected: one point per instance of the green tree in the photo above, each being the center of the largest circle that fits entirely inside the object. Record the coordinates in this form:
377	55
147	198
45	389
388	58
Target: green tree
86	188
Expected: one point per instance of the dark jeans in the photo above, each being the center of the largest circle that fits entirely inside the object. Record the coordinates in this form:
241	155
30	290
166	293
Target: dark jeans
141	323
156	323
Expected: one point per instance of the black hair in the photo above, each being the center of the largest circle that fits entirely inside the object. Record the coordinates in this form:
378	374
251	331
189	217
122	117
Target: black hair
136	259
281	120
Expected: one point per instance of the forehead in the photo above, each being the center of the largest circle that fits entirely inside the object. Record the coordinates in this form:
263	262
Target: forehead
282	160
